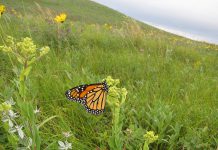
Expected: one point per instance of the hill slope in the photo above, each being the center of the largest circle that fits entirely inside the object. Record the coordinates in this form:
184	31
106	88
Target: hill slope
171	81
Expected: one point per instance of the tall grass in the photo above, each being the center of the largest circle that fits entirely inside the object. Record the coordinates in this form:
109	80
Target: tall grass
171	81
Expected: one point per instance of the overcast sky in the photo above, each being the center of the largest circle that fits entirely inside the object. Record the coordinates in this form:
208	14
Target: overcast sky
197	19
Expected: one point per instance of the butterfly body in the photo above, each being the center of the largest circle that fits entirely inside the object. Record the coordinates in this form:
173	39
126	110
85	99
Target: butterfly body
92	96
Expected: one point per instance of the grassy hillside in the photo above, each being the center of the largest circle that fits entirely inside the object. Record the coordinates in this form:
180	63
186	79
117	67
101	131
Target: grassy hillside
172	82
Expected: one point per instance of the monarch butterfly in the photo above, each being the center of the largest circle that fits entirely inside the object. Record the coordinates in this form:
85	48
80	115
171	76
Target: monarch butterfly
92	96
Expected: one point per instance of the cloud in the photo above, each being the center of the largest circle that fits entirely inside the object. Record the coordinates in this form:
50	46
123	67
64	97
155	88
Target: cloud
197	16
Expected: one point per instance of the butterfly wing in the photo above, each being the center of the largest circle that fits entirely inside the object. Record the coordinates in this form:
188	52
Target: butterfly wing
92	96
78	93
95	99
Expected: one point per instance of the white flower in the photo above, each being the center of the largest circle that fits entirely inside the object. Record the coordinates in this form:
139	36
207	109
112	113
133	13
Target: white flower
12	130
12	114
36	111
64	145
10	123
6	118
11	101
30	142
66	134
19	130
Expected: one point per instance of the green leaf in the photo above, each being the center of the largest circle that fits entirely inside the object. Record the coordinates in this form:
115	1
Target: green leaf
27	71
46	120
33	59
36	138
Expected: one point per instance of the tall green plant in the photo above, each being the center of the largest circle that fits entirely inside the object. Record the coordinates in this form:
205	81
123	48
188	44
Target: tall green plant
116	100
25	52
149	137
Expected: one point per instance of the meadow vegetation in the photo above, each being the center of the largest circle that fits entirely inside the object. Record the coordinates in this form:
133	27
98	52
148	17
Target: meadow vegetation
166	96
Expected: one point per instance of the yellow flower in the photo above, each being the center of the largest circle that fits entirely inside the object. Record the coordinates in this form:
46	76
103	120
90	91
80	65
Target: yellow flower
2	9
60	18
150	137
117	95
26	46
5	106
25	50
197	64
108	26
44	50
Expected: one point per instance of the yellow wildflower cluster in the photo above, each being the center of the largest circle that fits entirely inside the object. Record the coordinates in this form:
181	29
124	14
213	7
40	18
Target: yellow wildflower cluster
60	18
197	64
13	11
211	46
16	13
26	46
2	9
25	51
108	26
5	106
150	137
117	96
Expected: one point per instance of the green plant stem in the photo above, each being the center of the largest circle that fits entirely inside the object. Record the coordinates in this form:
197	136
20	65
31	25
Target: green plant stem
116	116
116	139
145	147
22	87
58	36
